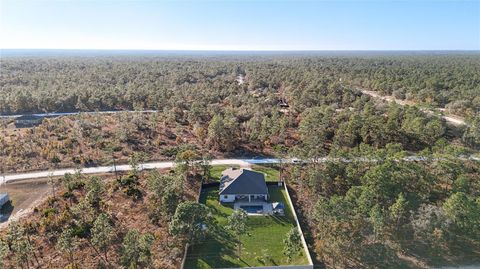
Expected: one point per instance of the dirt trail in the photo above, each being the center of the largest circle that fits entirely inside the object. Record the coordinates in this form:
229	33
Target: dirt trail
454	120
240	79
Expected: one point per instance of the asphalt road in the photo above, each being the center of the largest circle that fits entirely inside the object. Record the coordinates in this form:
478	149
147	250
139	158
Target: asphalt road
58	114
169	164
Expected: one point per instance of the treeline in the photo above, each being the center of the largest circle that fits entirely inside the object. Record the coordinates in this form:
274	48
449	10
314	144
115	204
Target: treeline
117	83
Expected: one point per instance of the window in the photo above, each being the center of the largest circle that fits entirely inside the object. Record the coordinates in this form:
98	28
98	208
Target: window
225	196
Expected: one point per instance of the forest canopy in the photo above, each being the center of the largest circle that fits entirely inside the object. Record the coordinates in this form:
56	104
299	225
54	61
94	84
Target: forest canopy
55	84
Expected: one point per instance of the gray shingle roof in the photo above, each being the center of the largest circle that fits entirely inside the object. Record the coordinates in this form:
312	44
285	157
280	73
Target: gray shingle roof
242	181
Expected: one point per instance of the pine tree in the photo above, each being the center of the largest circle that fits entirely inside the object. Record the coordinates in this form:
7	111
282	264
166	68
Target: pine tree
103	234
292	243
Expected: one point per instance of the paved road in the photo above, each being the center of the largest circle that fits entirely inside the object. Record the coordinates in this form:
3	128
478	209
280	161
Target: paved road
109	169
58	114
160	165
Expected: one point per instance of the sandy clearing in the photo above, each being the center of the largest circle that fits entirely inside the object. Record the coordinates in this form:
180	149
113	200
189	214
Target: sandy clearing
454	120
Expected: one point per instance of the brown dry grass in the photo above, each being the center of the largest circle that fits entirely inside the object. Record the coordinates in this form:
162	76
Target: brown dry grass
125	213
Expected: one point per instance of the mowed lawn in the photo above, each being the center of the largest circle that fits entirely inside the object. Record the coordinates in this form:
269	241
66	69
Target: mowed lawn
216	170
266	234
271	172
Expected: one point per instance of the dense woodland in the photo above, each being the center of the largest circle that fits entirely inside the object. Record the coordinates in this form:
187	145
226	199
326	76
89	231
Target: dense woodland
382	213
166	82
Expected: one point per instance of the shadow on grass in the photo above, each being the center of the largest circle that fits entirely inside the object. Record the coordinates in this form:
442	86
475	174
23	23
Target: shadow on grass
211	253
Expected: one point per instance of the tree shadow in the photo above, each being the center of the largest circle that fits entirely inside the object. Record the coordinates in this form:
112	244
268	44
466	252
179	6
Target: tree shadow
211	252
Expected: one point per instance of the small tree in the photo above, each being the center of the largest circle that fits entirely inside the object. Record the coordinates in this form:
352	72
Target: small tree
190	221
84	212
164	196
135	162
95	188
170	201
237	223
103	234
136	249
67	243
19	245
205	165
293	243
398	210
4	251
52	182
184	161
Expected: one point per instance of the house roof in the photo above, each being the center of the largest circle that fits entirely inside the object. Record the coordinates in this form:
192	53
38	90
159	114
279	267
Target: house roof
242	181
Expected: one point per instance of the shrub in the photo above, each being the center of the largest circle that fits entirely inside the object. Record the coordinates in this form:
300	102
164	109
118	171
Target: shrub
82	230
49	211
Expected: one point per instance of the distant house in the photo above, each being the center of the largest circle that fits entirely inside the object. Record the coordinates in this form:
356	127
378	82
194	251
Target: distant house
28	121
242	184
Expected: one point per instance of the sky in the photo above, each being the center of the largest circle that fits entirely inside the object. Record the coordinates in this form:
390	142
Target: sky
240	25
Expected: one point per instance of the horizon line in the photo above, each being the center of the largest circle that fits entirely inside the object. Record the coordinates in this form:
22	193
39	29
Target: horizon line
143	49
237	50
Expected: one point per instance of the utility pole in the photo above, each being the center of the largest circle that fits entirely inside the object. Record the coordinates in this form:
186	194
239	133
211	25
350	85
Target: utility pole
3	181
114	166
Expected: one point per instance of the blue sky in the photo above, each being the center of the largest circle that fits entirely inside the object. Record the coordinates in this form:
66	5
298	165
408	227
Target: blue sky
240	25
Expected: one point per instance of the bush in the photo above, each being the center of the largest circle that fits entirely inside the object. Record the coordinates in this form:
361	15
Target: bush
49	211
129	184
134	192
129	180
81	231
67	194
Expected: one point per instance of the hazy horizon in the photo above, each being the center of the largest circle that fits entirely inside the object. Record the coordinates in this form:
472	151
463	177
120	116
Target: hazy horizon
13	52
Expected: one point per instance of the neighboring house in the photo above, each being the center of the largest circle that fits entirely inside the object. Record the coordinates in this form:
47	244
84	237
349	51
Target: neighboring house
242	184
28	121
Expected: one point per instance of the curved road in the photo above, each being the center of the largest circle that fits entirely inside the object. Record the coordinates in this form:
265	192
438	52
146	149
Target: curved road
455	120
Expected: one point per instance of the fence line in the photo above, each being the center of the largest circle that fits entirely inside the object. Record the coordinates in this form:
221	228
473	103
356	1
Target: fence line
292	208
304	243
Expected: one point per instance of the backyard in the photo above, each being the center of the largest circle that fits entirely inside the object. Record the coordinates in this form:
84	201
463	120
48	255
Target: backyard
262	246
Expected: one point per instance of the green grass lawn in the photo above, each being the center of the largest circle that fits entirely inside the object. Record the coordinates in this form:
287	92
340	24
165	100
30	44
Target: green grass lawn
265	233
216	170
271	171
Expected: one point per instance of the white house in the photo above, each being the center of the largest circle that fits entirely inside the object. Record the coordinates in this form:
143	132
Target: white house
242	184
